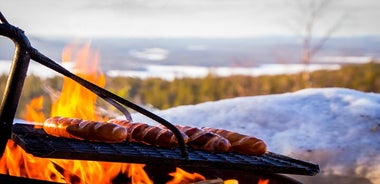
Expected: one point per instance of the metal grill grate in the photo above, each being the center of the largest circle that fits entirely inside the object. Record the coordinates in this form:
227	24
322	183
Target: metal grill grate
38	143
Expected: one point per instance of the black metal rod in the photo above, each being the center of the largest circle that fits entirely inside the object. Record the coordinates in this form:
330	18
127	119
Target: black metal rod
15	80
3	19
119	107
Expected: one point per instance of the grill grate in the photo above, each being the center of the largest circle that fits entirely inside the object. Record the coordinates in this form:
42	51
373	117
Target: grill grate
38	143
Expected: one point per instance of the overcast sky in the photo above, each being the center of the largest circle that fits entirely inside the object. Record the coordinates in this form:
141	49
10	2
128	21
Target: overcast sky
184	18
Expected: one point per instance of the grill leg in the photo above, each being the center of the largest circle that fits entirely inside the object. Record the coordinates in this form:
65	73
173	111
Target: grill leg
15	80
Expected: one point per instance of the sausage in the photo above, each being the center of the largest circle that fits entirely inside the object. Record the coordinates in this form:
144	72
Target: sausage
84	129
204	140
149	134
241	143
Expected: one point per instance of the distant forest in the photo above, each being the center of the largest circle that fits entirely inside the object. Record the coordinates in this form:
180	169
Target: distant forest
162	94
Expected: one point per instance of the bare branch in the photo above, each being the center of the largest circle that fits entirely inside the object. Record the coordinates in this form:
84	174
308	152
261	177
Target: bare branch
328	35
308	14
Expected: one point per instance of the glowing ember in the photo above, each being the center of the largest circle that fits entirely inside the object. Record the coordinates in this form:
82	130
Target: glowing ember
263	181
232	181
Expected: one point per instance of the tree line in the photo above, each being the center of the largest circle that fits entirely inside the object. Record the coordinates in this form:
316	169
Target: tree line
162	94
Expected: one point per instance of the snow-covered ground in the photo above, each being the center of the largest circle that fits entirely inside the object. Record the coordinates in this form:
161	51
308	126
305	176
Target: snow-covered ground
336	128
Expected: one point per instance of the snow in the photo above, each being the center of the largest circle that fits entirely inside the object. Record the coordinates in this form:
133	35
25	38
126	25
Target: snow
345	59
34	69
336	128
153	54
171	72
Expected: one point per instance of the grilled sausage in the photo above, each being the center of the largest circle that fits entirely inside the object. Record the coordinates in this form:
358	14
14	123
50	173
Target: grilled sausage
204	140
148	134
85	130
241	143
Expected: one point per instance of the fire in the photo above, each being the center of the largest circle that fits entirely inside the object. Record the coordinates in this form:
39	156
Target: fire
34	110
231	181
181	176
263	181
76	101
16	162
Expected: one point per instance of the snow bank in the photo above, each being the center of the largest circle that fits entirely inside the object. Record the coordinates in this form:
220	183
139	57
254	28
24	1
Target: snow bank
337	128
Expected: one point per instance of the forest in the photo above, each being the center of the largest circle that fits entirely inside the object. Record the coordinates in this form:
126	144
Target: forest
162	94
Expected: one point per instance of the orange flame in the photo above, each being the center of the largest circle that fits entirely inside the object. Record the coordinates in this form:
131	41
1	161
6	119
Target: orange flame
231	181
180	176
16	162
34	110
76	101
263	181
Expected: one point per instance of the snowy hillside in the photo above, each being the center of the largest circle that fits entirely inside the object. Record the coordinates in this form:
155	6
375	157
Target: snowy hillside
336	128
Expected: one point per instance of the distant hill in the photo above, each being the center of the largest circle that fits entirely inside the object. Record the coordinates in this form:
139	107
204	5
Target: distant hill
134	53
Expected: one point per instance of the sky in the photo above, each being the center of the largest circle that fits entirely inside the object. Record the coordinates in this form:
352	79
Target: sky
186	18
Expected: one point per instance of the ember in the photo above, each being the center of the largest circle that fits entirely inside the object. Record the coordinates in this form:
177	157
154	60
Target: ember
263	181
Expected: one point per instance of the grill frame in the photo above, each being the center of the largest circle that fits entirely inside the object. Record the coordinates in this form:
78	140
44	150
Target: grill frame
38	143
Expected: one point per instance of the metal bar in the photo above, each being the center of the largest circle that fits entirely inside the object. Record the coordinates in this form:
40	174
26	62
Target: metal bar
119	107
15	80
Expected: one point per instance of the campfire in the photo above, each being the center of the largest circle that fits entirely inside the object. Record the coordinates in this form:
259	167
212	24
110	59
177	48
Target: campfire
31	153
70	104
